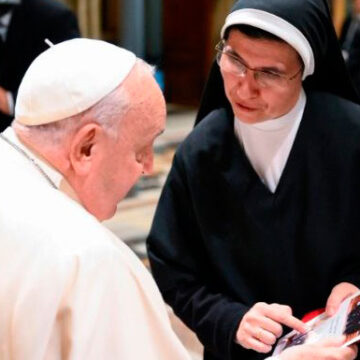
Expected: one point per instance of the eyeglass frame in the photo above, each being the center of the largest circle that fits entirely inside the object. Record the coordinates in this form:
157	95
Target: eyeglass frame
220	51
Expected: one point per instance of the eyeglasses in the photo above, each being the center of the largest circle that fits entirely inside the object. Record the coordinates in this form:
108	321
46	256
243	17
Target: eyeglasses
265	79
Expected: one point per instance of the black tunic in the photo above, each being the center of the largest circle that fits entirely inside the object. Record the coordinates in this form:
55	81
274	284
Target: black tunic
221	241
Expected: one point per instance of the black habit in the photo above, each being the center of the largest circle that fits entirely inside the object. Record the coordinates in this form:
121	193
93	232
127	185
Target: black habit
350	44
32	22
221	241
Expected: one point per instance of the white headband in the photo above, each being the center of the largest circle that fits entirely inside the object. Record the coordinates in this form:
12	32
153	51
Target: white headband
278	27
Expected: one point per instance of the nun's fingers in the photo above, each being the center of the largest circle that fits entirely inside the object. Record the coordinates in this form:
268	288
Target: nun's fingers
264	336
338	294
258	346
282	314
263	323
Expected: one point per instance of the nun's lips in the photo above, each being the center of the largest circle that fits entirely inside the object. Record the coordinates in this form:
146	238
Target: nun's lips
246	107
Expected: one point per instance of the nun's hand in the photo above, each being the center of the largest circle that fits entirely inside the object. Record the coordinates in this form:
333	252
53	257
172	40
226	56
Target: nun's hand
339	293
329	349
261	326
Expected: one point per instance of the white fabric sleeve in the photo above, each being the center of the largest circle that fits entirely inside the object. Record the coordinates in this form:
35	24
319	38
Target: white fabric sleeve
114	313
99	304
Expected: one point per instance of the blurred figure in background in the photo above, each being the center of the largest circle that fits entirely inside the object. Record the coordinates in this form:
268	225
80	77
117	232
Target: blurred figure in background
24	25
350	43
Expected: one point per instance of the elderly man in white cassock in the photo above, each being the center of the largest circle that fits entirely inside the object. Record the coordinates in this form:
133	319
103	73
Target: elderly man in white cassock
86	118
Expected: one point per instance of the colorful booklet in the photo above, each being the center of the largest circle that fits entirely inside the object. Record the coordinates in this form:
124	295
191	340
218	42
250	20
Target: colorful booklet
345	322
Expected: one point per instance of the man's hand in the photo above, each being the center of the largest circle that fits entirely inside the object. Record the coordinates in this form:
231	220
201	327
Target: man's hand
262	325
329	349
339	293
4	105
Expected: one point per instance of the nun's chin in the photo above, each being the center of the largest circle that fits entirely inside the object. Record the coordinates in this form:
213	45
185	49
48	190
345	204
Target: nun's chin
247	114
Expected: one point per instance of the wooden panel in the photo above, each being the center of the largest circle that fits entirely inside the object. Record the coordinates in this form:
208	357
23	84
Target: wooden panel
89	14
110	20
187	48
338	13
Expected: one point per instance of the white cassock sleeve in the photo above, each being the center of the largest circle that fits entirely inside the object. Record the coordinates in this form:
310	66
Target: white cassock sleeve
113	311
102	304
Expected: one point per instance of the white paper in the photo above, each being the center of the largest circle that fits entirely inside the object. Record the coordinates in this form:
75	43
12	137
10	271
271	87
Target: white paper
345	322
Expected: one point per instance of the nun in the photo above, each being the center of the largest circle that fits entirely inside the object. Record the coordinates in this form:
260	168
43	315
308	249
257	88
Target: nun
258	222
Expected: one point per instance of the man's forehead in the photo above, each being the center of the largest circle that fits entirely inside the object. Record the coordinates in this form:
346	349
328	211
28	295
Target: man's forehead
146	115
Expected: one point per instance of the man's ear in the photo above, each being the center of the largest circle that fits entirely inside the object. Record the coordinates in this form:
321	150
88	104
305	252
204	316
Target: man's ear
84	148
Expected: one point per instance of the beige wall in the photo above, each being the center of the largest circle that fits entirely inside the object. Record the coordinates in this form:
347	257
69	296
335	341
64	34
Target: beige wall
222	8
338	13
89	16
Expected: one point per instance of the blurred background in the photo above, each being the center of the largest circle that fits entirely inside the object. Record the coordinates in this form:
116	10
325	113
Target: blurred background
176	35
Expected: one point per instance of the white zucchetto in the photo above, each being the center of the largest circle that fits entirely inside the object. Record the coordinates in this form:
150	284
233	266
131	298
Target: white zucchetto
69	78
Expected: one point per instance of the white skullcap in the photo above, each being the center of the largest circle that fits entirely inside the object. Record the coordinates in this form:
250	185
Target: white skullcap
276	26
69	78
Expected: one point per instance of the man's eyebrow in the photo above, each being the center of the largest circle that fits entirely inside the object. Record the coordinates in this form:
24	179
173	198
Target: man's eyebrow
269	69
